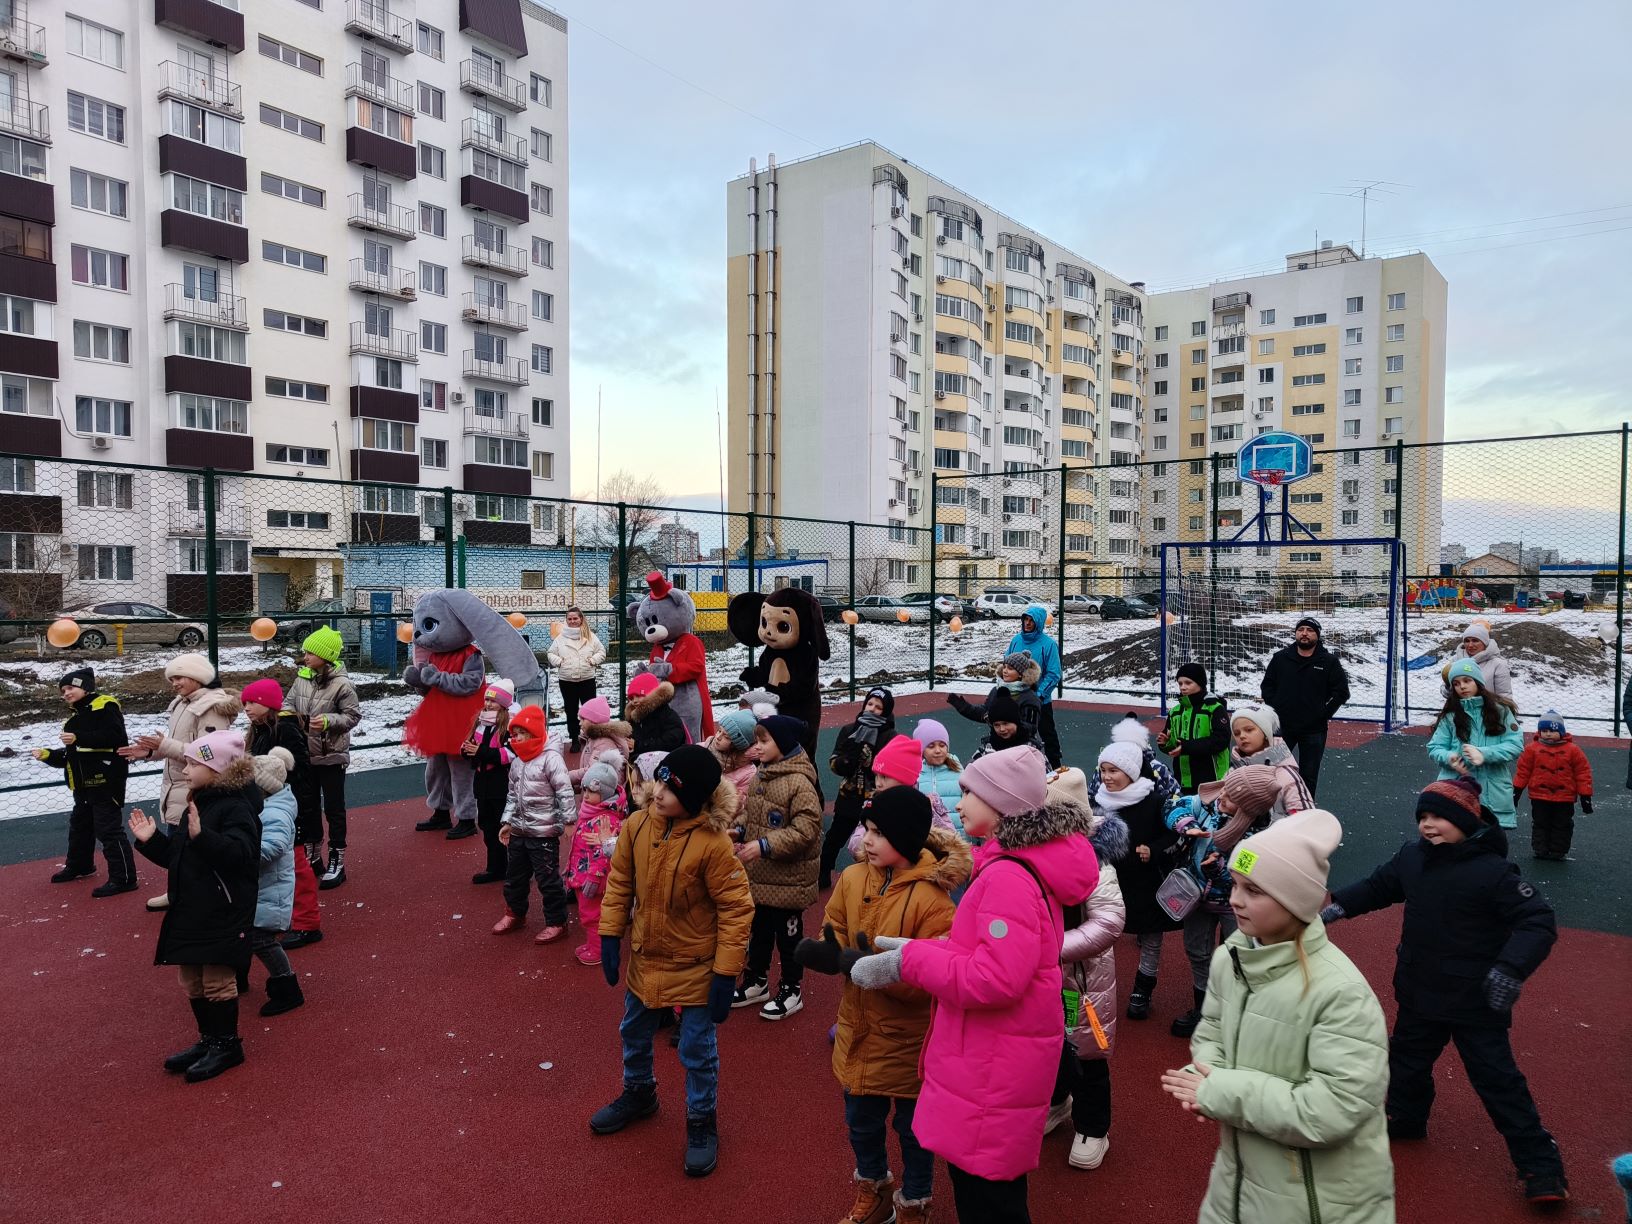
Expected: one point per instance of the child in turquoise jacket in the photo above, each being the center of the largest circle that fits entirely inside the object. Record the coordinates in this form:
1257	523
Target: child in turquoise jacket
1477	736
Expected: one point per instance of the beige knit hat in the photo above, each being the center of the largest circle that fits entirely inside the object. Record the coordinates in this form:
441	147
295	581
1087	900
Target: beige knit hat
191	666
1290	859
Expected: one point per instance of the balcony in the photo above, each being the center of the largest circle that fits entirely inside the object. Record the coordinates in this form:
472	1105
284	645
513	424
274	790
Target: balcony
509	260
376	22
219	25
220	312
509	92
512	370
23	41
509	315
379	87
497	424
205	88
1228	331
204	376
185	231
196	448
394	219
21	117
395	343
396	283
481	136
382	153
29	356
185	520
1232	301
384	404
484	195
178	155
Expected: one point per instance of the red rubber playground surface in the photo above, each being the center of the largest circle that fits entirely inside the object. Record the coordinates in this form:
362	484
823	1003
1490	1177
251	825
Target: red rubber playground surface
438	1071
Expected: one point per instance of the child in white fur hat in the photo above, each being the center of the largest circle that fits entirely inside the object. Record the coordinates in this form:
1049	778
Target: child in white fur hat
1129	730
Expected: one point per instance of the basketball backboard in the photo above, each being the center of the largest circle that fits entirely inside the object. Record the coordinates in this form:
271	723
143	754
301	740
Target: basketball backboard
1275	458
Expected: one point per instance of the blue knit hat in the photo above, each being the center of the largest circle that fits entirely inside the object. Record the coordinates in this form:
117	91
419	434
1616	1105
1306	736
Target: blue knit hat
1551	721
739	725
1465	667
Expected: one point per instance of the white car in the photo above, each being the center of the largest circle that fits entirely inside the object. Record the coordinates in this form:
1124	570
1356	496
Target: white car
1005	605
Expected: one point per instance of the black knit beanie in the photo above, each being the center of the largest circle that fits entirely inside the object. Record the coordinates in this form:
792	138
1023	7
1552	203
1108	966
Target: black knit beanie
693	773
903	816
1002	707
80	677
1196	672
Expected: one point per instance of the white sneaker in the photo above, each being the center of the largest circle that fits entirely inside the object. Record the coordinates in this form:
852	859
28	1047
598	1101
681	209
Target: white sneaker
787	1002
160	902
1087	1152
1056	1115
751	992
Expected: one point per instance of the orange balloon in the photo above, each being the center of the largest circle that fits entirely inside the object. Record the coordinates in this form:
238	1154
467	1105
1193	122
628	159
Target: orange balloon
903	615
405	632
517	620
63	633
555	629
263	628
848	616
1048	619
955	624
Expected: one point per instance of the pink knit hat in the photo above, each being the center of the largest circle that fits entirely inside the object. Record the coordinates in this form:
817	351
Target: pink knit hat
902	759
929	731
219	750
639	686
1011	781
264	692
595	710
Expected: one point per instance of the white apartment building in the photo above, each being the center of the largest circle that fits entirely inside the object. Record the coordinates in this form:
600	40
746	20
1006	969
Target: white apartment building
300	238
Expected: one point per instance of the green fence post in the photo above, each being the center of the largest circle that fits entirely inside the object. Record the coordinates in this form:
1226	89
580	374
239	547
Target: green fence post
932	585
1620	590
1059	602
1212	570
621	599
459	553
748	581
851	604
212	605
1399	487
447	535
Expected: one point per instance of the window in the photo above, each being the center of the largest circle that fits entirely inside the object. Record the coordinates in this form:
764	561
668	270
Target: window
90	41
1393	426
1351	398
433	162
1022	332
1267	374
1161	361
22	157
429	40
107	563
1308	380
231	556
101	342
388	373
308	520
541	91
1354	305
542	199
1198	439
544	252
394	501
1307	499
96	193
433	279
102	416
544	412
273	184
1198	328
384	121
1395	333
1226	433
386	436
495	507
1354	335
17	316
290	388
1307	350
433	396
1198	384
1351	427
210	413
433	337
301	325
543	358
272	116
433	452
1396	301
433	220
293	56
498	452
108	490
210	343
207	199
1351	367
1393	395
1308	320
1266	347
543	465
1161	332
95	117
1308	409
310	261
300	456
1266	317
543	146
1160	388
205	127
430	101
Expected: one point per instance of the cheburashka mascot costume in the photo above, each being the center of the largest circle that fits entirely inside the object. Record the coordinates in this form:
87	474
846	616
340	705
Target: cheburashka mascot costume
788	625
453	631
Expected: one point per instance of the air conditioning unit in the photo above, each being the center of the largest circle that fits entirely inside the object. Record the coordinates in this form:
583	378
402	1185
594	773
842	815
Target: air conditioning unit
1008	309
940	280
1008	518
895	337
892	502
469	312
940	395
458	397
895	214
917	318
1351	498
906	261
99	442
940	239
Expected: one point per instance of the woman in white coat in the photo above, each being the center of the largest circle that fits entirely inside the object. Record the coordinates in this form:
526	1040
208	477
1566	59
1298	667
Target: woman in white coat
576	655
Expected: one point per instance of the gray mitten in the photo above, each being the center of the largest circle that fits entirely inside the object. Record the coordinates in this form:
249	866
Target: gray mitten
660	669
882	968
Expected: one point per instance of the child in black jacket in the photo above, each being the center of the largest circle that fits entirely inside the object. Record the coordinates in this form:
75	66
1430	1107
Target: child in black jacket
214	860
89	756
488	747
852	760
1473	932
657	724
1017	677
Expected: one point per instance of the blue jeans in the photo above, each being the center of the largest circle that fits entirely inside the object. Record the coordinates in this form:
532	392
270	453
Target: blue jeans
699	1052
866	1116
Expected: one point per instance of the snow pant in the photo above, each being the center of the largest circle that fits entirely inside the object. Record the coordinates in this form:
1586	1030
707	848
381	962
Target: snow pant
535	858
1552	827
217	983
264	944
589	915
1487	1056
322	793
846	816
866	1117
980	1200
492	794
99	817
1087	1081
305	915
450	785
1199	932
1049	735
573	694
1309	748
783	928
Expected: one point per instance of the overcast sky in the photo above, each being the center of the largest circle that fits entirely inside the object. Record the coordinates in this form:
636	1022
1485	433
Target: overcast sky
1171	143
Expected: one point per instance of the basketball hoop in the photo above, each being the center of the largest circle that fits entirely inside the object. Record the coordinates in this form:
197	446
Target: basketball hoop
1268	477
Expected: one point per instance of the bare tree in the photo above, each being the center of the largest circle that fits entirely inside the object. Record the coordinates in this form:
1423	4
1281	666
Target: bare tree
597	525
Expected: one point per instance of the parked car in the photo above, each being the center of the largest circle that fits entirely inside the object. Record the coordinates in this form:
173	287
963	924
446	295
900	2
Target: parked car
832	608
310	615
946	606
887	608
1005	604
1115	607
1078	602
156	626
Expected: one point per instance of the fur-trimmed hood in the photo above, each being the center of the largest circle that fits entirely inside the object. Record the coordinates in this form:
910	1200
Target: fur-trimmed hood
952	860
224	701
720	812
239	774
1029	674
635	709
606	730
1109	837
1059	817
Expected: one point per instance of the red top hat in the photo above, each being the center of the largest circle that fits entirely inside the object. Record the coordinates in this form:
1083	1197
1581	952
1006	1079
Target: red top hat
658	585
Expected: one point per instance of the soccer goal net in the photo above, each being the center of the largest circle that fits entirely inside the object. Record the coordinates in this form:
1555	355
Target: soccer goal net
1231	605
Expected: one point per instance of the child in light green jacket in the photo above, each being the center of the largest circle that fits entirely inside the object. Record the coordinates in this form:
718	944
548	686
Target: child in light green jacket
1477	736
1291	1055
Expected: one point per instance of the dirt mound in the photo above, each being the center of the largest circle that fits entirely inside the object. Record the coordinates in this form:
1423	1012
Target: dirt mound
1537	642
1134	655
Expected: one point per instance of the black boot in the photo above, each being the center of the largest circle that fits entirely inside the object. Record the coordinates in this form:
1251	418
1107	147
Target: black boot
121	869
314	857
702	1145
438	820
177	1063
299	939
1139	1001
637	1101
113	888
68	875
336	874
1185	1025
462	830
226	1047
282	994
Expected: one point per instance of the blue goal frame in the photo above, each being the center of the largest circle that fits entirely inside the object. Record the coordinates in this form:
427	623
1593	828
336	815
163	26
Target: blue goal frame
1395	642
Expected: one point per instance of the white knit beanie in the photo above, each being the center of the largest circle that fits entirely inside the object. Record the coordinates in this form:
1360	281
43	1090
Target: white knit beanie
190	666
1290	859
272	770
1476	630
1262	717
1126	757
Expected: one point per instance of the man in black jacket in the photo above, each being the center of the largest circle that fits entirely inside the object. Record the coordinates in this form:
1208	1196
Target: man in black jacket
1306	685
89	756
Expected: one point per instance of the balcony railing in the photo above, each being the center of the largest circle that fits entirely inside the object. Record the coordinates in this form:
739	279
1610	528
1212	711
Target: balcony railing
511	260
394	219
497	424
1228	331
508	91
209	89
394	342
185	520
375	20
221	311
393	282
512	370
511	315
22	40
1232	301
21	117
379	87
481	136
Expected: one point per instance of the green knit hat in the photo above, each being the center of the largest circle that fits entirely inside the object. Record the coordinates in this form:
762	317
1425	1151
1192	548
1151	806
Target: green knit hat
325	643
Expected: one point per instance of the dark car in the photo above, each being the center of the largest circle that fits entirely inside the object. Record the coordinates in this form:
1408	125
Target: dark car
832	609
309	616
1115	607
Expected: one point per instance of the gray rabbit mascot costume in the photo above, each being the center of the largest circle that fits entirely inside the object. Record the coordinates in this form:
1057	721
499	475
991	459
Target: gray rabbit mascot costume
453	630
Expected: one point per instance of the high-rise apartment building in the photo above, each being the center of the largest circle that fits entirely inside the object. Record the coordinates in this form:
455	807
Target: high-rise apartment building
318	238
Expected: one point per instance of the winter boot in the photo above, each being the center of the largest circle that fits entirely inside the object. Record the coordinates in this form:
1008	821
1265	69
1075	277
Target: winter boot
314	857
113	888
439	819
637	1101
911	1211
299	939
177	1063
226	1047
68	875
121	869
510	921
1185	1025
1546	1190
873	1201
462	830
282	994
1139	1001
702	1145
336	874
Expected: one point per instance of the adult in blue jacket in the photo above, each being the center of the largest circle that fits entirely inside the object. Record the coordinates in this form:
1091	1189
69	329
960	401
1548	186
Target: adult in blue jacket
1033	638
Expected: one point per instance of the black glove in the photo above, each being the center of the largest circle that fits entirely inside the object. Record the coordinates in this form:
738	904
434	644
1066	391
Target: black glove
720	991
1501	990
820	955
1518	793
1586	804
1332	913
849	956
611	954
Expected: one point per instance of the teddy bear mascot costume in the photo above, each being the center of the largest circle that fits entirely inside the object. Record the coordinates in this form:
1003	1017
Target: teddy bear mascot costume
664	618
788	624
453	631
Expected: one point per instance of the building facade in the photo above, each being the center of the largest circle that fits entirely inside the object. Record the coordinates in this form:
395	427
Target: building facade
312	239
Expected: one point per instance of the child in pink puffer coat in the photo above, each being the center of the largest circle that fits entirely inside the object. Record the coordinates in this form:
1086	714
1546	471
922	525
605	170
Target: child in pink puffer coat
994	1044
589	859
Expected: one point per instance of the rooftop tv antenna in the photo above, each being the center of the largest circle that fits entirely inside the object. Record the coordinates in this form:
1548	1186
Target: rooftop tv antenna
1363	190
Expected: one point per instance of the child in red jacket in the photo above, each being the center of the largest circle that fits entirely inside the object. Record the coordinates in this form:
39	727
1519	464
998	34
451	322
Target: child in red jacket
1556	772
